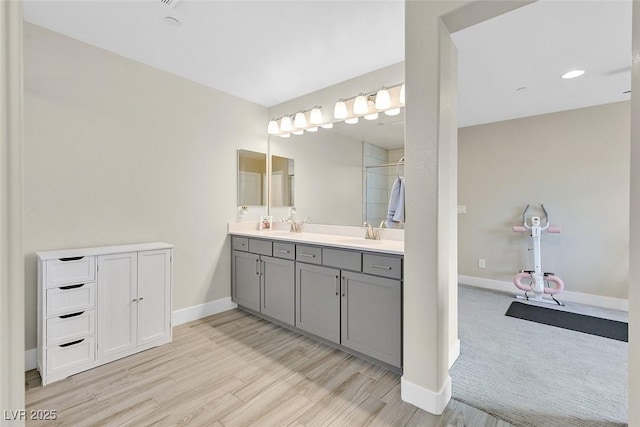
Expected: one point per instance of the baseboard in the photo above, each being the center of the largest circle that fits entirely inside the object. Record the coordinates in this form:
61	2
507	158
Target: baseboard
202	310
424	398
577	297
454	352
30	359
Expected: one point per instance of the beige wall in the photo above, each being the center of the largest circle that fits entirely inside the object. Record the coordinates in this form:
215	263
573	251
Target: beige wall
576	163
119	152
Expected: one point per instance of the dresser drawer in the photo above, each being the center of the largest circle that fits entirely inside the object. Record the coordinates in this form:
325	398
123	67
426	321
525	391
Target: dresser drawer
70	299
66	271
309	254
70	354
347	260
284	250
262	247
382	265
70	327
239	243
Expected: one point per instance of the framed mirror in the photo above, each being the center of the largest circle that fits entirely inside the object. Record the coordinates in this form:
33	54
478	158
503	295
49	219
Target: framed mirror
282	181
252	178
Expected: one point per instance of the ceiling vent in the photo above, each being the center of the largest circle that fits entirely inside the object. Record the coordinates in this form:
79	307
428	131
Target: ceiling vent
170	3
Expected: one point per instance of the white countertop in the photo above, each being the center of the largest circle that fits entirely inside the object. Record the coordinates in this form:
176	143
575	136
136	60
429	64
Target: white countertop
103	250
395	247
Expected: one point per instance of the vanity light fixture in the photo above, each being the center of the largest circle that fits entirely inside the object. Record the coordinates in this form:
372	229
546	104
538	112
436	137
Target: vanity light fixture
285	124
573	74
351	121
392	112
315	117
285	135
272	129
300	120
313	129
360	105
383	99
402	94
298	132
372	116
340	110
327	126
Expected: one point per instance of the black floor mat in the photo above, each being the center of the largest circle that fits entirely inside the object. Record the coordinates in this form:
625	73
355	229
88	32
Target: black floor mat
576	322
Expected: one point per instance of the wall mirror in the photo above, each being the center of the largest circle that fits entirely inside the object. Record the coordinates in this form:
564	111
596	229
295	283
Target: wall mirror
282	181
343	175
252	178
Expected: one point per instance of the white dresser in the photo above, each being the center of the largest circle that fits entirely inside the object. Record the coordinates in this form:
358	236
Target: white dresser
96	305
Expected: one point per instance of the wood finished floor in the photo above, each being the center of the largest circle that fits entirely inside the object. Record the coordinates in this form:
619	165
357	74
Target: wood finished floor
235	369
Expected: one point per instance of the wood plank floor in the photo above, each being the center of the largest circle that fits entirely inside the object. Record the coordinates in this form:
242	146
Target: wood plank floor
235	369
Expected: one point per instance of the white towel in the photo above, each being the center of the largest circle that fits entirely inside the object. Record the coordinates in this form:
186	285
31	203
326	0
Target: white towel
395	214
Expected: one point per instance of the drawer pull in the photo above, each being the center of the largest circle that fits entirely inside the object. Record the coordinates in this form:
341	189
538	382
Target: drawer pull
307	255
383	267
66	316
240	244
73	258
283	251
66	288
71	343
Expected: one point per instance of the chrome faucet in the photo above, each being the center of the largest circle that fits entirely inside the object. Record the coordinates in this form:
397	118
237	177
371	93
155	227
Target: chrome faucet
296	227
370	232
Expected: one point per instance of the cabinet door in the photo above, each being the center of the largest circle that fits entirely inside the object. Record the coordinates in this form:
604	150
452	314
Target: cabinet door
318	301
371	316
117	308
245	271
278	289
154	296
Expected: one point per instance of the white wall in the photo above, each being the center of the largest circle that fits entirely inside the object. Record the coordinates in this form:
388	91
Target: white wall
576	163
119	152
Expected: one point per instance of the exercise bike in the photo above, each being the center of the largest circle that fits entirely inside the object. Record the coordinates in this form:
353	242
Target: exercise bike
539	282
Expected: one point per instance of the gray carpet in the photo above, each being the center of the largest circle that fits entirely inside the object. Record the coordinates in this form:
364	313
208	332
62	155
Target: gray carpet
531	374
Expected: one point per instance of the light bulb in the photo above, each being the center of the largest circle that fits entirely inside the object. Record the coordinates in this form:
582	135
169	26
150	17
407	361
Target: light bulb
340	110
315	117
383	100
360	105
392	112
286	125
313	129
402	94
300	121
351	121
285	135
298	132
371	116
327	126
272	129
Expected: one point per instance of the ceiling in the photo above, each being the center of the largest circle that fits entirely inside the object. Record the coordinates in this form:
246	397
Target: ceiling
272	51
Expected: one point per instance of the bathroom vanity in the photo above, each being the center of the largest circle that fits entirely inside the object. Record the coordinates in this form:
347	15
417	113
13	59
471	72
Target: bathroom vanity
344	291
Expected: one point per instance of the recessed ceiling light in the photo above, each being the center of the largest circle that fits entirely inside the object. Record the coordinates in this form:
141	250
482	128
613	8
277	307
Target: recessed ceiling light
172	21
573	74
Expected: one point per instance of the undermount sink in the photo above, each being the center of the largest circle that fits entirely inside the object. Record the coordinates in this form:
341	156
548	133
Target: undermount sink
356	241
282	233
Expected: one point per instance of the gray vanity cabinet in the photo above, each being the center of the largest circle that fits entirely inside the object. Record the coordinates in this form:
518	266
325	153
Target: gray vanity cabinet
278	286
245	272
318	301
371	316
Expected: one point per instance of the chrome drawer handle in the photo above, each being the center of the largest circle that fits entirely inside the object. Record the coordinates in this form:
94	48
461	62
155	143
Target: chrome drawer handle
240	244
73	258
66	316
308	255
66	288
71	343
383	267
282	251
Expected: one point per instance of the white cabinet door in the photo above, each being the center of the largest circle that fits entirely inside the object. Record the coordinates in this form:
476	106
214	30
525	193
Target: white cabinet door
154	296
117	303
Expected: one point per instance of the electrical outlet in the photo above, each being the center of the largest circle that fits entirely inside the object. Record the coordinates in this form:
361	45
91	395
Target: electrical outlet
462	209
482	263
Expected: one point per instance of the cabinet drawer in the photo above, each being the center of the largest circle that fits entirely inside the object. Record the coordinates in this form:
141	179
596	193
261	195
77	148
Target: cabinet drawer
262	247
309	254
65	271
381	265
70	299
70	327
284	250
239	243
346	260
70	354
